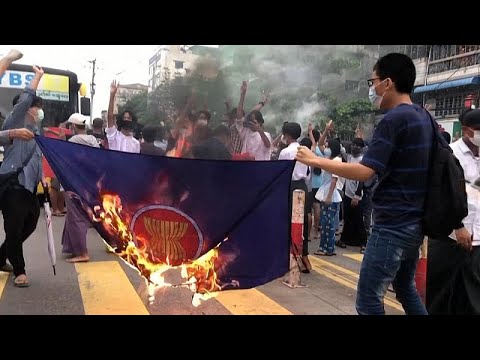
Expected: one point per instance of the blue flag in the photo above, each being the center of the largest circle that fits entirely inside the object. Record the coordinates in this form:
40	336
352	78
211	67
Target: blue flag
226	223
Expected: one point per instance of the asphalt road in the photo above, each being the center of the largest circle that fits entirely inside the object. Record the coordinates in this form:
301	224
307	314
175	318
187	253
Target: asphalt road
106	286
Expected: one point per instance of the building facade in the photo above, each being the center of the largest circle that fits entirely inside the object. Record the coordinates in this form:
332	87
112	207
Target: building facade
125	92
448	79
171	61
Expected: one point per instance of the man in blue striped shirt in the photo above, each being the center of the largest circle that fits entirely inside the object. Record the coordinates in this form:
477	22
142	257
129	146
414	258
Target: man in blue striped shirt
399	153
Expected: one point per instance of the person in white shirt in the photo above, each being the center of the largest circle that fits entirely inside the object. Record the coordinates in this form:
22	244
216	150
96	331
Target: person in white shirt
353	233
330	200
255	141
453	264
291	132
121	138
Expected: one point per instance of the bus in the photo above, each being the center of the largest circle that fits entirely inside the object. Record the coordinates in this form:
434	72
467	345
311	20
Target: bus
59	90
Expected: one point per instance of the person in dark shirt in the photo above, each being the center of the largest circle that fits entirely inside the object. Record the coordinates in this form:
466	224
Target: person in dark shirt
216	147
97	131
148	146
399	153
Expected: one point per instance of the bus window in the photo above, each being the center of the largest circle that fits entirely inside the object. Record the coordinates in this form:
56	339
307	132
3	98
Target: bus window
58	88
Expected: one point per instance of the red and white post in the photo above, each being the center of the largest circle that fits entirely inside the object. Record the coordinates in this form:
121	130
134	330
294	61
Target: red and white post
421	273
293	279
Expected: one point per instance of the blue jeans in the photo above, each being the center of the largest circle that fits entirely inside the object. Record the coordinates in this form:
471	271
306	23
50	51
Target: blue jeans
390	258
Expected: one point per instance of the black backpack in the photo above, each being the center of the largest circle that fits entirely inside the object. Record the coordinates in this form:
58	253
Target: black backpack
446	198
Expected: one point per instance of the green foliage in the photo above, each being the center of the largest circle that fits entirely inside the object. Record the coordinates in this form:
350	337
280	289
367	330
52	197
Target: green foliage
137	104
337	66
347	116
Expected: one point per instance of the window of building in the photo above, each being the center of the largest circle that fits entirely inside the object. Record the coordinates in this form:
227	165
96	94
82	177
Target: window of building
454	64
413	51
449	104
352	85
178	64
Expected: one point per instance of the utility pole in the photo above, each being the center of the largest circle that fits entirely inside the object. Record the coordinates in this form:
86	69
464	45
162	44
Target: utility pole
92	89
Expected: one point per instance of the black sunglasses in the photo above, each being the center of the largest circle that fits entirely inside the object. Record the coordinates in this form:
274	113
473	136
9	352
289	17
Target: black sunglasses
370	81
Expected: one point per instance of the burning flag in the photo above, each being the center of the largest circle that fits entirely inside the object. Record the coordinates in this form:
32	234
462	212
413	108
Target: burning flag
224	224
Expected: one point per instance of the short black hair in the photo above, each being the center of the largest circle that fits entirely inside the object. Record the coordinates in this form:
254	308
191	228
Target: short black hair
358	142
335	147
150	133
221	130
206	113
97	123
398	67
292	129
120	116
306	142
469	117
257	115
37	101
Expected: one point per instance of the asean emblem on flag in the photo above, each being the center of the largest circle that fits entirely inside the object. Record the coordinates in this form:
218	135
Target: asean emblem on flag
170	235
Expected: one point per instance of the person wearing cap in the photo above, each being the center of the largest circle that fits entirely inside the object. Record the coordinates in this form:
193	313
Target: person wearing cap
79	127
74	237
453	269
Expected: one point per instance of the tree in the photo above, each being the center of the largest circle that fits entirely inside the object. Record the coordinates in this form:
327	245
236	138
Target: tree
137	104
161	106
347	116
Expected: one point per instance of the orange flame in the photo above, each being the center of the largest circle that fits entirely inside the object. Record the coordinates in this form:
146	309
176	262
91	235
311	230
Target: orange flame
199	274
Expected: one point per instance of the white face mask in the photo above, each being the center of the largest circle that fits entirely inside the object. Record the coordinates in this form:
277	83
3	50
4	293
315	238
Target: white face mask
38	115
41	115
475	140
374	98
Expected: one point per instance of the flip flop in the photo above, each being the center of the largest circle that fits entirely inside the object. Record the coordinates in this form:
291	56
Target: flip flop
76	260
21	284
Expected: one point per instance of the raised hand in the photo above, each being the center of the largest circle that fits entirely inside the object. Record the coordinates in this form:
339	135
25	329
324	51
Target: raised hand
264	97
38	71
329	126
243	88
114	87
305	156
14	55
